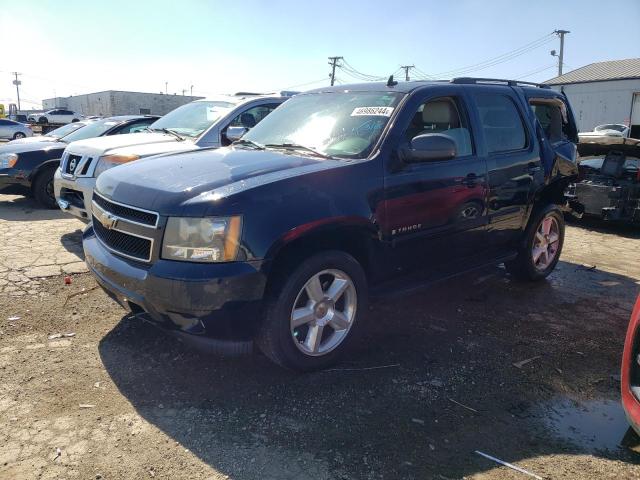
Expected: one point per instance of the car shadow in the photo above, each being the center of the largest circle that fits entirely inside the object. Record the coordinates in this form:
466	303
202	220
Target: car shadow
432	381
17	207
72	242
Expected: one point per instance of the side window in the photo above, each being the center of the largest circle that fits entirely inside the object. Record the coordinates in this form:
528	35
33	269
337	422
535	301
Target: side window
250	118
552	120
135	127
4	123
501	123
445	116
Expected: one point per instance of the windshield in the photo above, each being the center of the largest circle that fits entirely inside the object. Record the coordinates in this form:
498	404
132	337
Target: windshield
340	124
66	130
193	118
94	129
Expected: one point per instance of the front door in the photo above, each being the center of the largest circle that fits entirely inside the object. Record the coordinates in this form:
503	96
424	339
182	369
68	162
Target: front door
435	211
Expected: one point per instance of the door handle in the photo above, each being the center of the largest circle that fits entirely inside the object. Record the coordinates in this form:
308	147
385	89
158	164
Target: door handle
533	168
471	180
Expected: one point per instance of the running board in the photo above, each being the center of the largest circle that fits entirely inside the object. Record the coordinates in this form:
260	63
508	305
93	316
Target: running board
407	286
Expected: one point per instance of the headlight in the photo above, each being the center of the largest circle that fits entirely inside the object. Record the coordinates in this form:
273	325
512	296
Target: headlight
202	239
8	160
110	161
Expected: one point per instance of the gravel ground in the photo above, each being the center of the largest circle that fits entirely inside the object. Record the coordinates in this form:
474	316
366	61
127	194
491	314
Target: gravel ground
433	381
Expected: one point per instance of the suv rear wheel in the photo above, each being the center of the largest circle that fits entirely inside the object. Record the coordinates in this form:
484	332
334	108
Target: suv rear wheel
540	252
315	312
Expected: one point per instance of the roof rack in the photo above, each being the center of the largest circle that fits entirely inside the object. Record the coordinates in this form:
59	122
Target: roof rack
511	83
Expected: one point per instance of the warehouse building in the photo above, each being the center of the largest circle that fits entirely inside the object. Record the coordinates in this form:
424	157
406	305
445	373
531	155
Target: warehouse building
116	102
603	92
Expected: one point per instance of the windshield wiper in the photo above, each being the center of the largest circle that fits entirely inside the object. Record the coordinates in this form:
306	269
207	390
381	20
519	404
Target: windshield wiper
249	143
295	146
167	130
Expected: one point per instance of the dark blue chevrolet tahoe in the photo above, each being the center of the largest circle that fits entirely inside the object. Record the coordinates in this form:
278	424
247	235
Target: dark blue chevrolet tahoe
340	194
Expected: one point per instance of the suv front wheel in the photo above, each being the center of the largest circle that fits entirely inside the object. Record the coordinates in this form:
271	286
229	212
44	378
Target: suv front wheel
314	312
540	251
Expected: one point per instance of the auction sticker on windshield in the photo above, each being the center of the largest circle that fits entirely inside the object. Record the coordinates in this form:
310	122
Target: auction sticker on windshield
379	111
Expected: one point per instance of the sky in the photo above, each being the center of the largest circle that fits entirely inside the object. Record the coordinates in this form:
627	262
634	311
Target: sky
72	47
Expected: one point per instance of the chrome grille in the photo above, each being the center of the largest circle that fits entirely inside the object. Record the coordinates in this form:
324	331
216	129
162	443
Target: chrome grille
121	234
72	163
125	244
130	213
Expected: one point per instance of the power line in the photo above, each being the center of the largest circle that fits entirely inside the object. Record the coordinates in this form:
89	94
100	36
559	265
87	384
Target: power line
533	72
490	62
305	84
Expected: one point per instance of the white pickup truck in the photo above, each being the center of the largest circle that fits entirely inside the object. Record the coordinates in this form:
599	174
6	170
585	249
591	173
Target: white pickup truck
213	122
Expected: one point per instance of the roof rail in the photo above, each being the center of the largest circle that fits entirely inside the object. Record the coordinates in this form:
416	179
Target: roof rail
511	83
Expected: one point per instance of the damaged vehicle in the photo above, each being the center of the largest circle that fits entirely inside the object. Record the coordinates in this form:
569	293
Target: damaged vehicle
609	181
341	194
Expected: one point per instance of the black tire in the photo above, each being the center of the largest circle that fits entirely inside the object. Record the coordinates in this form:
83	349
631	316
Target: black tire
523	266
274	336
18	135
42	187
43	120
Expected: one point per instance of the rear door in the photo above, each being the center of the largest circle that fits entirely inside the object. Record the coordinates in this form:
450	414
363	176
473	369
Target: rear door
514	166
435	211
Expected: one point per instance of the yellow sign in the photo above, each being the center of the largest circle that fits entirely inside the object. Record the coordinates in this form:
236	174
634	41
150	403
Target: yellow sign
2	114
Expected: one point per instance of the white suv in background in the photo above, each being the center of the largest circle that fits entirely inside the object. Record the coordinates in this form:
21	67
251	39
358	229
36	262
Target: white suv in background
59	115
213	122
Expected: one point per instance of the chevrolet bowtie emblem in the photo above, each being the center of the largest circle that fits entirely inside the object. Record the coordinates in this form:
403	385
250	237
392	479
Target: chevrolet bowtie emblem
108	221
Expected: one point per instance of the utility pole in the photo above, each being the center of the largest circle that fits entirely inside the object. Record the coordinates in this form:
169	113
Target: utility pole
333	61
17	83
406	69
183	90
166	88
561	34
192	90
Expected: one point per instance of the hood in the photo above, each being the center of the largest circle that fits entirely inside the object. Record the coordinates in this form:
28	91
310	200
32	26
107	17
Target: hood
156	148
31	146
33	139
105	145
170	183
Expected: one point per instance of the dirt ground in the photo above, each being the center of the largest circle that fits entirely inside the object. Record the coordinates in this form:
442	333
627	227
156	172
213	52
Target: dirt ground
433	382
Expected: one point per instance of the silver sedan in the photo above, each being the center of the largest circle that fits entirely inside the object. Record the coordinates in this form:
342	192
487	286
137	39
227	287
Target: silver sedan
10	130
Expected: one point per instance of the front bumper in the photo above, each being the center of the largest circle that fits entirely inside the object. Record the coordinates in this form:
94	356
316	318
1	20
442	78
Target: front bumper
74	195
14	176
216	306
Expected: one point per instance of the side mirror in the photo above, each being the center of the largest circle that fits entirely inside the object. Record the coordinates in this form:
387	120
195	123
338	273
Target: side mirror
235	133
430	146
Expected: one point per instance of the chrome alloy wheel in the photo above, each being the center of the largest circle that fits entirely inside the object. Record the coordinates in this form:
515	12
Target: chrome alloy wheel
323	312
546	243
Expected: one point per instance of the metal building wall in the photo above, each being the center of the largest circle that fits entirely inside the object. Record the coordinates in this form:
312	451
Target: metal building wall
113	102
596	103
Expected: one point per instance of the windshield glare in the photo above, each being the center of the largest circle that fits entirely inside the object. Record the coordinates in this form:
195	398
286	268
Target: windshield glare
94	129
66	130
337	124
193	118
